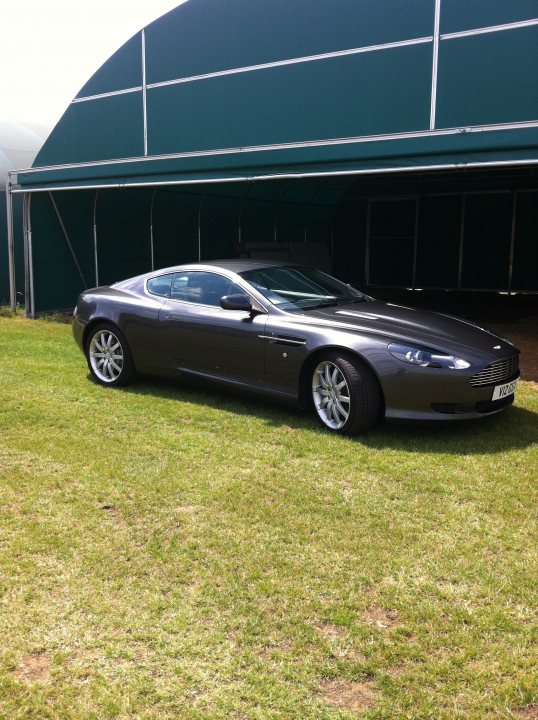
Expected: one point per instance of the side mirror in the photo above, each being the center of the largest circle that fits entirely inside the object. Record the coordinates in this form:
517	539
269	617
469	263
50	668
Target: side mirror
236	302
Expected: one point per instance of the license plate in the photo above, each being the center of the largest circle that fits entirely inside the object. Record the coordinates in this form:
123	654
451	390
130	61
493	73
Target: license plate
502	391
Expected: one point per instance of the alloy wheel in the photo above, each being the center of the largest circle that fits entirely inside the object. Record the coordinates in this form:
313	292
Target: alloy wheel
331	394
106	356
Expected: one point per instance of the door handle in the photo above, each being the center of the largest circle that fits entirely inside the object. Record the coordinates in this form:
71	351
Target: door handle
172	316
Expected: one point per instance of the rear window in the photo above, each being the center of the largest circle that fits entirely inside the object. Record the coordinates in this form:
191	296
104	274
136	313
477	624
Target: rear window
161	285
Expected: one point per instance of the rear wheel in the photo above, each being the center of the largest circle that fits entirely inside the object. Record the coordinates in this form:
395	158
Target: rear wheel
346	395
108	356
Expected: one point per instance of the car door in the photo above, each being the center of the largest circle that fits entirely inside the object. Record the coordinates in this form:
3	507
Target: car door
202	337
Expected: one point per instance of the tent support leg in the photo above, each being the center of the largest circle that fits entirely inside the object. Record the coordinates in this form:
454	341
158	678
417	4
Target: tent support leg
462	233
367	246
512	241
200	206
151	237
415	243
11	248
29	299
95	257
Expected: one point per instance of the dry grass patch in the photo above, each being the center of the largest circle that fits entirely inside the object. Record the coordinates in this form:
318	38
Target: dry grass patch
380	618
331	631
340	642
34	668
272	651
349	695
527	713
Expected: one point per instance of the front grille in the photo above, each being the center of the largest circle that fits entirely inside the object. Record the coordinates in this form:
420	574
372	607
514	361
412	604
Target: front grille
497	372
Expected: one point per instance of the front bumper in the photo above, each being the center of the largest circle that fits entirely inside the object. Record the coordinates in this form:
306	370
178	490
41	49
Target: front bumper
427	394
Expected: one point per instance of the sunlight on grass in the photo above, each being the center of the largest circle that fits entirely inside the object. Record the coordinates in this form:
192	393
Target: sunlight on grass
174	552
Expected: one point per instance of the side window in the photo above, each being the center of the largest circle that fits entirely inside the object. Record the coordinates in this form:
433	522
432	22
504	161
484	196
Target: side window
161	285
204	288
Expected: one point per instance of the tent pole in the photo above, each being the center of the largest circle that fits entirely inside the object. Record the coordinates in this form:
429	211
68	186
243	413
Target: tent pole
29	298
367	247
202	198
512	241
11	247
415	242
277	207
151	238
462	239
240	218
96	259
435	64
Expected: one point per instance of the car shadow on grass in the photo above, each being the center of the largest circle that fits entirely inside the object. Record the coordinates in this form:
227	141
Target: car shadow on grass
514	428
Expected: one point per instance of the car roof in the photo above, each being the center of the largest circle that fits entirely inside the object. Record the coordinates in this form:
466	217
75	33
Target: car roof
236	265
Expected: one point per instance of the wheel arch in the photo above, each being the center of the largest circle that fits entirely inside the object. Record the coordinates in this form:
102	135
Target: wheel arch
310	362
127	371
93	323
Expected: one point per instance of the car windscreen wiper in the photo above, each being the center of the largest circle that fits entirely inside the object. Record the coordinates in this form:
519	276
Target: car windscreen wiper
351	300
323	304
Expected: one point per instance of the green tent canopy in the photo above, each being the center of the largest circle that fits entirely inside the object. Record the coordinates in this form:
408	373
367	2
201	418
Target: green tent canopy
228	126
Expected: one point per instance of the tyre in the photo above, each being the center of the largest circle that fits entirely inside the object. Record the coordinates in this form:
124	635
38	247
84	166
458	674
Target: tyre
346	395
108	356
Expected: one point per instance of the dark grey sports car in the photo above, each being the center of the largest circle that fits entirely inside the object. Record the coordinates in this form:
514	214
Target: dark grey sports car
297	334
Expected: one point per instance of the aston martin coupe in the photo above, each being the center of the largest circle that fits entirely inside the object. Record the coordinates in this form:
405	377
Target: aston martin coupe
297	334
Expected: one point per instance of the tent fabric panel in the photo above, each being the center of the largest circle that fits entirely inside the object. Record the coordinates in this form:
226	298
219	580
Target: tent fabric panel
291	222
333	190
258	221
319	224
103	129
499	88
210	36
461	15
349	240
123	234
519	145
123	70
76	211
486	241
342	97
391	242
219	227
57	282
228	189
269	191
175	227
438	241
525	275
304	192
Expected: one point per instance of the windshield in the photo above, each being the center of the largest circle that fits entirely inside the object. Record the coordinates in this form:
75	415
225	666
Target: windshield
301	288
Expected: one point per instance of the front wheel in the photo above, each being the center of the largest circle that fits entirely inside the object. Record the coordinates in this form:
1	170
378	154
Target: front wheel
346	395
108	356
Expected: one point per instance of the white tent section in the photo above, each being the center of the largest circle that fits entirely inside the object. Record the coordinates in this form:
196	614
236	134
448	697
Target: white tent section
19	144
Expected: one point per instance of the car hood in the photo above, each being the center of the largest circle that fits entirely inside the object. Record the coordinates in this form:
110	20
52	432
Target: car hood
398	323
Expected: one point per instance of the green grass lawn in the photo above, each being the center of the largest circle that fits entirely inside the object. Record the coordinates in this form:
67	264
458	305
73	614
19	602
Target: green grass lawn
171	552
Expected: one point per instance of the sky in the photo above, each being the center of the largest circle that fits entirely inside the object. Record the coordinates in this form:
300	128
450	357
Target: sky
49	48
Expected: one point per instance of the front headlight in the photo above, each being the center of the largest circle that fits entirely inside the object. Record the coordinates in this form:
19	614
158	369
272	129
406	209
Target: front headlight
426	358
